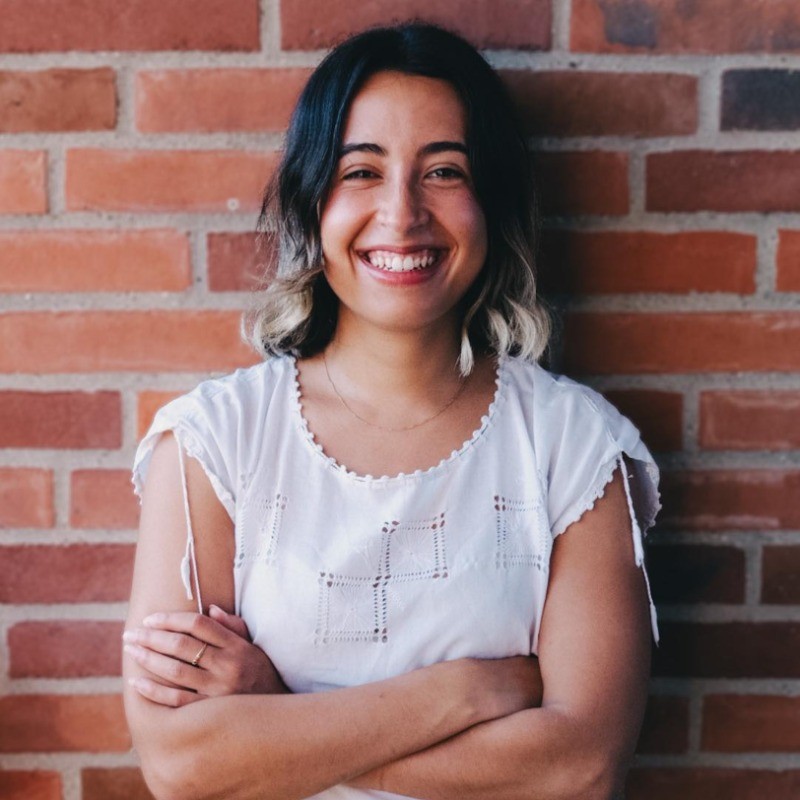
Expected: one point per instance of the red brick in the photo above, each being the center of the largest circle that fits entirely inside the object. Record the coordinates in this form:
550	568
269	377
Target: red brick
26	498
147	404
119	783
63	723
728	650
607	262
58	100
23	181
722	499
21	785
582	182
502	24
240	261
103	498
217	99
65	649
711	783
743	180
750	723
682	342
60	419
75	573
658	415
788	262
749	420
206	181
780	574
677	26
103	341
666	725
94	261
604	103
60	25
696	573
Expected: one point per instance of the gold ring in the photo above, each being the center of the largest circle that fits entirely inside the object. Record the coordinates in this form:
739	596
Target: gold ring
196	660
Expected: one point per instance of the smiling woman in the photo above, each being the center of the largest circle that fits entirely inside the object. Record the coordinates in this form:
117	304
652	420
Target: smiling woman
415	554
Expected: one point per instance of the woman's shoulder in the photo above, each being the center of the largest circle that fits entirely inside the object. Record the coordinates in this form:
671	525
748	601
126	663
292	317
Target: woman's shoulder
246	391
579	436
213	420
552	394
568	416
254	382
226	409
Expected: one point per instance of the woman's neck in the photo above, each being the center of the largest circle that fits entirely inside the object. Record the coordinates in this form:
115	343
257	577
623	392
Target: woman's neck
384	403
389	367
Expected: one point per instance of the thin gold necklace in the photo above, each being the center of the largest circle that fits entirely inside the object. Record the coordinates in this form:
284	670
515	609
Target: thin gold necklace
444	408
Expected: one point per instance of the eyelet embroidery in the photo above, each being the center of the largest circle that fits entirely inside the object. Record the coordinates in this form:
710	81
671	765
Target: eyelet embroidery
522	534
414	550
351	609
265	514
355	608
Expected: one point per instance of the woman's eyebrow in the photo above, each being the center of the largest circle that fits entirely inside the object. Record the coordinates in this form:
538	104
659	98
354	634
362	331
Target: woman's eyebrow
429	149
443	147
361	147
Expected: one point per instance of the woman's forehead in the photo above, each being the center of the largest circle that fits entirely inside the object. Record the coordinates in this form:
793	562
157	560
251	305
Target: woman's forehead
394	105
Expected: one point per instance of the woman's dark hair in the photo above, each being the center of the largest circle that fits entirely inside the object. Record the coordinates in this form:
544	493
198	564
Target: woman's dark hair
501	310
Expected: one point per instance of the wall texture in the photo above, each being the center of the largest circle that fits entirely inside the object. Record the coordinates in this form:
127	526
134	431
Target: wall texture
135	137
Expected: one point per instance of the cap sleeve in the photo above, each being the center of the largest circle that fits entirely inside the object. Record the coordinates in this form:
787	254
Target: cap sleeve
201	429
587	440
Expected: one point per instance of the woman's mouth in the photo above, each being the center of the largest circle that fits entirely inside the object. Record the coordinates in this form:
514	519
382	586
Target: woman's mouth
389	261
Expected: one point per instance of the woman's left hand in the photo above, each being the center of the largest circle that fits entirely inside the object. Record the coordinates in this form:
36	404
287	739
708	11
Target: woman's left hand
199	656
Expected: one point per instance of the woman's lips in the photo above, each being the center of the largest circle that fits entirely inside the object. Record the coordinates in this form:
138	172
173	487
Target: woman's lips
402	269
402	261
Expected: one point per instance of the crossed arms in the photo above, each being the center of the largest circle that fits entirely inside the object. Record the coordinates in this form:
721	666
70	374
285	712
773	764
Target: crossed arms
461	729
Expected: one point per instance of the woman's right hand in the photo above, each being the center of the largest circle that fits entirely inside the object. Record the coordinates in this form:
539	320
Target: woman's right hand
198	657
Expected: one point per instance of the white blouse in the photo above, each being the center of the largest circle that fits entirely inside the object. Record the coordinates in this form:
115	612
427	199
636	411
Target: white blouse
345	579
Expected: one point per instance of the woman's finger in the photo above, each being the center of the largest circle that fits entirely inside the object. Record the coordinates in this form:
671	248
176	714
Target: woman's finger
177	645
229	621
170	669
164	695
201	627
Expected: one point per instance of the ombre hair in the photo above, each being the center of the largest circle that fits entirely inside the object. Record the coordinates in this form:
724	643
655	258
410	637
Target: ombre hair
502	313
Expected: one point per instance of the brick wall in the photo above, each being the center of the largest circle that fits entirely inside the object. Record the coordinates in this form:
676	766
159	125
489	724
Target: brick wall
135	137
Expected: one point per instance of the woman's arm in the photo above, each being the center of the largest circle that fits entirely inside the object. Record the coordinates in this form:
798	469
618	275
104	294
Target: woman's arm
280	746
594	654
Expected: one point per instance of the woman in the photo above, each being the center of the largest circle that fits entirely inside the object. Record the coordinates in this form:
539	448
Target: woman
382	501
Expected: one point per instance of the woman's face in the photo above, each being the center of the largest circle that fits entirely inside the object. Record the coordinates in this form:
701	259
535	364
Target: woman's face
403	235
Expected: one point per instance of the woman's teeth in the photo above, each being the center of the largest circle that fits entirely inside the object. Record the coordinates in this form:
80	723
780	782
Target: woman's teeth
393	262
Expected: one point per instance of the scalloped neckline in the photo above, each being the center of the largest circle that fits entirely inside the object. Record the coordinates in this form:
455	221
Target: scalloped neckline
487	420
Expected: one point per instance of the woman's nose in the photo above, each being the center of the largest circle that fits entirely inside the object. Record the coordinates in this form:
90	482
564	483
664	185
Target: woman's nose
403	206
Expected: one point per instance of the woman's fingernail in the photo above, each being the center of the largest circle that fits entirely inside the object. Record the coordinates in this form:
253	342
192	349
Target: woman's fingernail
153	619
129	636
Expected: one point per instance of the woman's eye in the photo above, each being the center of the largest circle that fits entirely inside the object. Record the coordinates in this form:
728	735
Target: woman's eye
448	173
357	174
